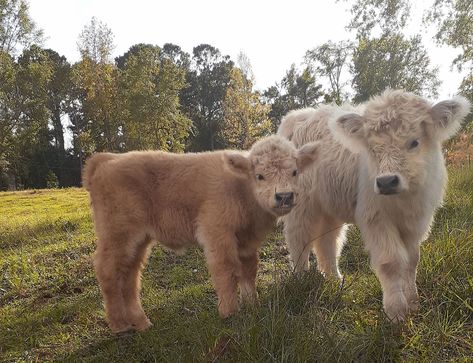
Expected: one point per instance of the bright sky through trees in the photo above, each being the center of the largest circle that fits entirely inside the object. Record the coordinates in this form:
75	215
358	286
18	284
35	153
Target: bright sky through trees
273	34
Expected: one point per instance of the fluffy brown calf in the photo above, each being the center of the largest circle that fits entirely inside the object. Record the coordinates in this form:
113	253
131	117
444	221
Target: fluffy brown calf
224	201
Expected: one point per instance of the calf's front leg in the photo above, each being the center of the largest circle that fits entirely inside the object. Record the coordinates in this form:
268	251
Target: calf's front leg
247	277
411	287
390	261
224	266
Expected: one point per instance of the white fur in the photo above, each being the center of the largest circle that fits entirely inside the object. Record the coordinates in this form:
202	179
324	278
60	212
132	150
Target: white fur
338	189
353	141
454	119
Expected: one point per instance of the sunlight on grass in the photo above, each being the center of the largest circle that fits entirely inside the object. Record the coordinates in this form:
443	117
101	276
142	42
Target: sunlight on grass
50	305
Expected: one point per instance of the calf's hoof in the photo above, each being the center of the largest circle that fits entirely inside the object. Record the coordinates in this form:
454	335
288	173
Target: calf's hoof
248	296
120	327
396	308
228	308
413	301
414	305
142	324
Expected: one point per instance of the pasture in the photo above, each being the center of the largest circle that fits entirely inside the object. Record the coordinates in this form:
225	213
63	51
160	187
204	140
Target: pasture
51	307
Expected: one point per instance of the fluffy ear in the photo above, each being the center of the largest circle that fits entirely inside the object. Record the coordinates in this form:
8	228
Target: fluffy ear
348	130
237	162
306	155
448	115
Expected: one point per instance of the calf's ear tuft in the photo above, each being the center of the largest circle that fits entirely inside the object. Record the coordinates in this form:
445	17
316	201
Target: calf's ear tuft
348	130
448	115
306	155
237	162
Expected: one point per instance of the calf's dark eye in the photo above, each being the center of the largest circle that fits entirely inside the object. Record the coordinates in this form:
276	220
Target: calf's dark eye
259	177
414	144
294	173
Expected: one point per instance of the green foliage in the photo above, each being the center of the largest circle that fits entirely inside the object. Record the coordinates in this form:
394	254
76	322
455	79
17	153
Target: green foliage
4	180
245	116
29	117
454	28
96	42
302	89
96	86
163	98
8	72
384	58
150	83
51	310
16	26
202	100
383	16
329	60
392	61
33	95
297	89
51	180
58	95
466	89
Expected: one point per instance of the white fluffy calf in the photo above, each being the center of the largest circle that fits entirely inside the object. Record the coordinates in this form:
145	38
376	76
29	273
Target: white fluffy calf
380	165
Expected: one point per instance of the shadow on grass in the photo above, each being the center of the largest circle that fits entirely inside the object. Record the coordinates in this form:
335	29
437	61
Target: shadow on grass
38	233
298	318
49	318
184	321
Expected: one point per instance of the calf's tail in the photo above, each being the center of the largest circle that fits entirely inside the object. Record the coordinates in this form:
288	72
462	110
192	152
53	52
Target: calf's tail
91	166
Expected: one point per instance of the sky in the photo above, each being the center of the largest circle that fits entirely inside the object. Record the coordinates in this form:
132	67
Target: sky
273	34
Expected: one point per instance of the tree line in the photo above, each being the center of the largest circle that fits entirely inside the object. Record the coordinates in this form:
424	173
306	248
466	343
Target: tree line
54	114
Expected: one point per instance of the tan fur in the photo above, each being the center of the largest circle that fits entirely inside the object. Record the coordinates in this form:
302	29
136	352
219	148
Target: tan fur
359	146
210	199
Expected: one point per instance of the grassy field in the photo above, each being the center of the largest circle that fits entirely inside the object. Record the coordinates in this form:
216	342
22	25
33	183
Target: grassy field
50	305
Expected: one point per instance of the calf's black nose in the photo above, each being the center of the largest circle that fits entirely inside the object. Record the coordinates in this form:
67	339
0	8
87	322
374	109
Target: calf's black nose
387	184
284	199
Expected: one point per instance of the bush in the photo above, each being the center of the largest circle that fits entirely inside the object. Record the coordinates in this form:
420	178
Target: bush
51	180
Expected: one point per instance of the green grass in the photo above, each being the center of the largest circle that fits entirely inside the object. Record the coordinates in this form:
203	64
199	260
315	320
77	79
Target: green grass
50	305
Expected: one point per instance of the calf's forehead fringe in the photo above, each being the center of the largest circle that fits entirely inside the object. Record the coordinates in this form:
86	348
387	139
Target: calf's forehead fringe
396	112
273	148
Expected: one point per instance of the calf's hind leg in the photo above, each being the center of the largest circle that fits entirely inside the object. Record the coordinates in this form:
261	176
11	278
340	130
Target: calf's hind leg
298	232
132	285
109	269
329	239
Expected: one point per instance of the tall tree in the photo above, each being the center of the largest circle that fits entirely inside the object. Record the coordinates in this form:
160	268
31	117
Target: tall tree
95	78
384	57
329	61
380	16
392	62
32	104
16	26
176	55
297	89
203	98
96	42
33	157
58	104
58	91
8	114
245	116
244	64
150	83
455	28
302	88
